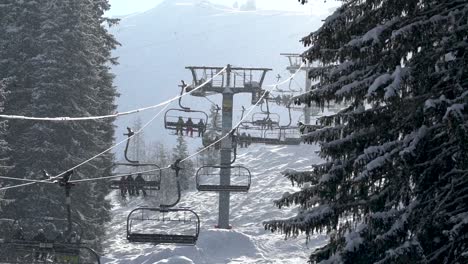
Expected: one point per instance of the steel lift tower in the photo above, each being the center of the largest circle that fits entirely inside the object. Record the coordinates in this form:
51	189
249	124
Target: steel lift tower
295	62
233	80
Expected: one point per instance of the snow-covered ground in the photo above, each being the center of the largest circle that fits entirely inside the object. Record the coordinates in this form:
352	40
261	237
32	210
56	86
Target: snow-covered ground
247	242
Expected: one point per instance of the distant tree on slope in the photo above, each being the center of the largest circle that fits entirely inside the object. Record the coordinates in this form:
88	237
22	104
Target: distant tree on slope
394	188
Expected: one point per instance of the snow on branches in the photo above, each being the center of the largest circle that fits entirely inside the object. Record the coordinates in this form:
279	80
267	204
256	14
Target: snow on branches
394	187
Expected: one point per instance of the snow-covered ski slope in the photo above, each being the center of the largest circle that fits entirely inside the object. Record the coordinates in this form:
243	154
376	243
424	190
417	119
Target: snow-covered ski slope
247	242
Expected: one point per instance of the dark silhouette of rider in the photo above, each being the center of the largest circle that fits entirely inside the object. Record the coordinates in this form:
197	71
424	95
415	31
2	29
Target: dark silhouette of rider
131	185
140	184
201	128
123	186
189	125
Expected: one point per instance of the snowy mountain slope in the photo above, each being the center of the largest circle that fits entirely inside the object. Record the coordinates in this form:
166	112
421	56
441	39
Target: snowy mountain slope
159	43
247	242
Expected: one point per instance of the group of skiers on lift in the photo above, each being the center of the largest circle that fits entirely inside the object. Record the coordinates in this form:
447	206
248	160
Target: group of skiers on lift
265	123
283	99
40	237
244	140
132	186
189	125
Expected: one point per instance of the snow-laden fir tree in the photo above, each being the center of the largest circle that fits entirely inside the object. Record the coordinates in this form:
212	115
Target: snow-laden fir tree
57	55
394	187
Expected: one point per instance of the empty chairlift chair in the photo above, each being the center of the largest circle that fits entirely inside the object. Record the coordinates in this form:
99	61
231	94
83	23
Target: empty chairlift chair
163	226
208	178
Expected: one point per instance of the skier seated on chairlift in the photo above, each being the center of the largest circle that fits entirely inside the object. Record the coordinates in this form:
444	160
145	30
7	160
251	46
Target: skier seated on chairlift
140	185
243	140
278	100
180	126
131	185
18	233
189	125
264	122
123	186
41	238
269	123
201	128
59	238
73	238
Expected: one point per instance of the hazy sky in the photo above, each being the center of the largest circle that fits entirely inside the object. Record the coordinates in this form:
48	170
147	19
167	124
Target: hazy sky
317	7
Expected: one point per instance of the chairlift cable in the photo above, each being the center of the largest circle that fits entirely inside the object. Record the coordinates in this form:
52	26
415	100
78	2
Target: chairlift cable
189	157
82	118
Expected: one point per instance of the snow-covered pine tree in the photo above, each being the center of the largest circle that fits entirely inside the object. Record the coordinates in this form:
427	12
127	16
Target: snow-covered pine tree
159	153
394	188
186	176
58	56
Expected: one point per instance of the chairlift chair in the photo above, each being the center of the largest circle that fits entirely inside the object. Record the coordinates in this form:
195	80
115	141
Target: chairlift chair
19	252
25	248
260	119
151	183
152	177
163	226
207	176
171	119
174	116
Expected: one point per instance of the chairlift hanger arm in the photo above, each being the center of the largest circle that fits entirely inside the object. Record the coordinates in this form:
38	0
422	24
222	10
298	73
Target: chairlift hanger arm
182	89
129	136
177	169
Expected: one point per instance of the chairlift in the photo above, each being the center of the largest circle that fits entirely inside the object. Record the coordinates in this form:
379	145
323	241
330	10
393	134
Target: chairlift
163	226
18	245
145	181
179	119
18	252
266	120
291	135
209	178
283	136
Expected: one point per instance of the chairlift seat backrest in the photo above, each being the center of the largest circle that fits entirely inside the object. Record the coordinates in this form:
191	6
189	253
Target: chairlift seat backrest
172	121
208	179
150	225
